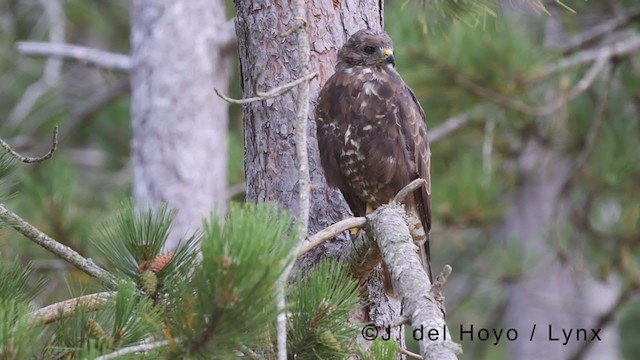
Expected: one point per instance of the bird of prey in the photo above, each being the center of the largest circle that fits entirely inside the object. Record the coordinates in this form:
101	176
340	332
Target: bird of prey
372	134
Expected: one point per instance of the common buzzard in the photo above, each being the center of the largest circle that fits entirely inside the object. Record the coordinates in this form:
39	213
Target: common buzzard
372	133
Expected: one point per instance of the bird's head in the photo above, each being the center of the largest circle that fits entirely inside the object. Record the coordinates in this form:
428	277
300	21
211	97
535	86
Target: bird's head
367	48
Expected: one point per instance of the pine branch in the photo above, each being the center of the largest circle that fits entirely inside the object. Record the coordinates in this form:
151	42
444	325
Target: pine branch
68	308
84	55
62	251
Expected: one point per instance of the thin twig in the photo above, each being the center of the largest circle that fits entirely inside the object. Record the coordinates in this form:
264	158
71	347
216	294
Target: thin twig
402	320
330	232
83	55
280	90
28	159
304	178
134	349
62	251
68	308
409	353
411	187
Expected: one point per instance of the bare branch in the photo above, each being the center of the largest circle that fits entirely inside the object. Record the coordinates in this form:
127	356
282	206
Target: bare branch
389	231
134	349
330	232
28	159
595	33
68	308
409	353
403	320
450	126
62	251
411	187
280	90
83	55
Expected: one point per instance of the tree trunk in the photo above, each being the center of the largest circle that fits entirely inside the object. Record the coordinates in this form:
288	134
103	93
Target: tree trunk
270	59
179	146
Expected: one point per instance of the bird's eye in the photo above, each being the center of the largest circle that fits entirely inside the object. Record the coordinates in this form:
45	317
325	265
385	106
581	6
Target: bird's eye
369	49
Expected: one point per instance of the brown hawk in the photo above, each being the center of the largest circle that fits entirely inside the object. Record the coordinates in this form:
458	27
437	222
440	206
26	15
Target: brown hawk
372	133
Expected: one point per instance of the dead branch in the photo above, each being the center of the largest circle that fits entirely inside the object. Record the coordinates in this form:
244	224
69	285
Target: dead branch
330	232
68	308
280	90
411	187
62	251
83	55
409	353
391	235
28	159
134	349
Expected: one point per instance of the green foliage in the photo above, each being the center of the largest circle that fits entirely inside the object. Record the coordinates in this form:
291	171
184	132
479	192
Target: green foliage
229	299
380	350
15	281
7	166
321	303
463	198
628	326
128	320
18	336
133	239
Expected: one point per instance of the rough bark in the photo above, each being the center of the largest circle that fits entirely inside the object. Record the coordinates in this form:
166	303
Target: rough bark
179	146
267	60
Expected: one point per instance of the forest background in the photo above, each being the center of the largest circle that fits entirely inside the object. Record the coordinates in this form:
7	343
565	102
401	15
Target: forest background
535	172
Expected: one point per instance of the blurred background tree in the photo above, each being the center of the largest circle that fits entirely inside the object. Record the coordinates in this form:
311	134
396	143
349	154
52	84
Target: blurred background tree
536	198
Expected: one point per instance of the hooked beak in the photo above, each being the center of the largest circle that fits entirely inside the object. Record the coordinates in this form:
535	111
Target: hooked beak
389	58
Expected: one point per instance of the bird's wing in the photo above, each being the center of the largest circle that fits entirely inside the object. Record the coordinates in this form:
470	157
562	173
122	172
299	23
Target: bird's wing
415	131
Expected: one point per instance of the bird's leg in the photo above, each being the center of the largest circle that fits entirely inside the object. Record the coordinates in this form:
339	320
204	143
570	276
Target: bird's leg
369	210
